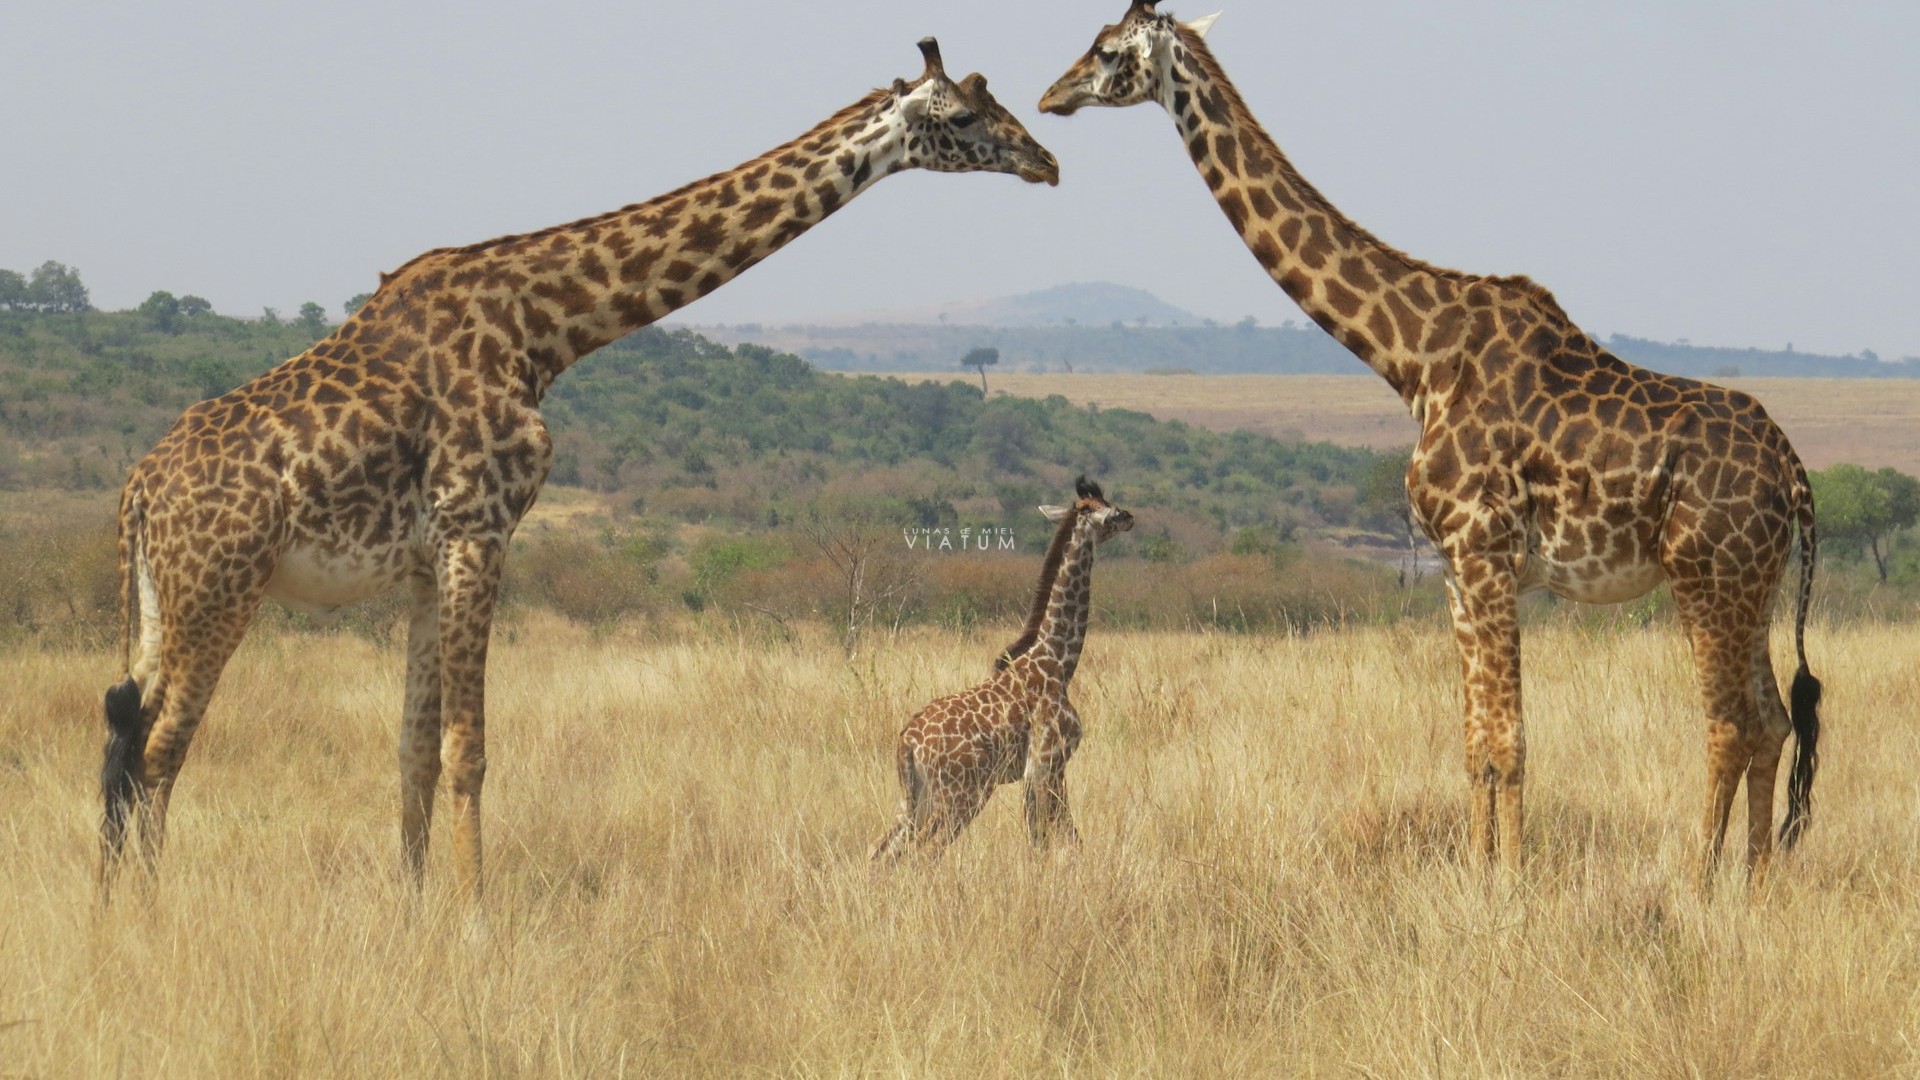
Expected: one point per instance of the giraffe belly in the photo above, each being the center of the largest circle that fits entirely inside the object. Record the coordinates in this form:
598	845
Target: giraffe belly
1590	581
315	580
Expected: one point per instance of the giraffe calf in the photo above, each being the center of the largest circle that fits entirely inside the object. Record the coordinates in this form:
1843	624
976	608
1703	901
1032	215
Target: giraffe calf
1018	725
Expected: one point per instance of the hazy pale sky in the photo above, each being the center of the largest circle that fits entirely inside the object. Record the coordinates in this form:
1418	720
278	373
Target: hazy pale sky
1735	172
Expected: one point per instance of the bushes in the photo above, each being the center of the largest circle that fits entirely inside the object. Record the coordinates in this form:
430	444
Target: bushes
718	564
1250	593
592	580
59	575
983	591
59	583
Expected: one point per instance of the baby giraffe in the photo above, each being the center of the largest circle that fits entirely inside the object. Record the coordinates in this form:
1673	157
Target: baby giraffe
1019	724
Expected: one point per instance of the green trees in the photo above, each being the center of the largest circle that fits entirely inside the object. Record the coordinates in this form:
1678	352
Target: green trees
1382	497
737	438
754	419
53	287
981	359
56	288
162	310
166	313
355	303
1858	509
313	318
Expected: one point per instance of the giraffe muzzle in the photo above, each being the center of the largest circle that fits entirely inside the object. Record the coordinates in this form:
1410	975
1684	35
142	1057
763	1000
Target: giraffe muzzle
1038	168
1062	100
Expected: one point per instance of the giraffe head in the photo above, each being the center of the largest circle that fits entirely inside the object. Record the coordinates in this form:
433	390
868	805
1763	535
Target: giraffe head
1103	521
1129	63
958	127
1108	520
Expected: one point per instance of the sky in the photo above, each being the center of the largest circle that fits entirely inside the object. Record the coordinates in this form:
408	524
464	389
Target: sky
1727	172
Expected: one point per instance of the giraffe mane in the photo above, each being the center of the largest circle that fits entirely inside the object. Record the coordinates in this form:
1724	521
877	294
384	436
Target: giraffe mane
1197	45
813	134
1049	571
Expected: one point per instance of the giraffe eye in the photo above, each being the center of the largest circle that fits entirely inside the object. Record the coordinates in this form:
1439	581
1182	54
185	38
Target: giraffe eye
1105	55
964	120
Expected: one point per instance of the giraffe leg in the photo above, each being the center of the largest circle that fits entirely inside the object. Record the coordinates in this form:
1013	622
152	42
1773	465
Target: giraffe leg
897	838
469	581
1484	598
1726	760
1770	736
1048	817
419	750
1046	794
1054	741
196	645
1482	839
951	808
913	808
1725	639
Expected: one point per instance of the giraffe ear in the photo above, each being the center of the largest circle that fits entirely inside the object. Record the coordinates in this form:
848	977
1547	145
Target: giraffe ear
1203	24
1055	514
913	105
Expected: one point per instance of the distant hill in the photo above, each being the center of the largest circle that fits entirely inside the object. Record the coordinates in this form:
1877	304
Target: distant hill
1710	361
1091	303
1121	346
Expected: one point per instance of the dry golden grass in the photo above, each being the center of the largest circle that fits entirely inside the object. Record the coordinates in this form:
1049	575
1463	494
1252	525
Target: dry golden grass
1865	421
1271	881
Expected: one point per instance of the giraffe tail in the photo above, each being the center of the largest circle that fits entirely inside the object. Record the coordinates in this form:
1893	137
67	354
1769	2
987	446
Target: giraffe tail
120	771
1804	697
126	727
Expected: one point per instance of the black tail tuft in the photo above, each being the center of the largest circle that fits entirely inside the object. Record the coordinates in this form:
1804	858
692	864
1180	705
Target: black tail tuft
120	771
1804	700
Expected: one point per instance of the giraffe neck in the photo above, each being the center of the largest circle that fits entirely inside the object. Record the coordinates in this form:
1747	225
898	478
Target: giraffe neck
570	289
1063	629
1373	299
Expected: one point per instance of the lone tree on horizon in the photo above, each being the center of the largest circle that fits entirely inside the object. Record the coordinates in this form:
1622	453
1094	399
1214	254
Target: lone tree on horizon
982	359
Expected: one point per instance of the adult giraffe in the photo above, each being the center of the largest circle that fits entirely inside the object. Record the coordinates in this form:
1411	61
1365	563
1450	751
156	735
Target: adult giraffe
406	446
1543	460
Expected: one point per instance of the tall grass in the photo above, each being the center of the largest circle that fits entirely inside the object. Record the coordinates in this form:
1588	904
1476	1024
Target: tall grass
1271	880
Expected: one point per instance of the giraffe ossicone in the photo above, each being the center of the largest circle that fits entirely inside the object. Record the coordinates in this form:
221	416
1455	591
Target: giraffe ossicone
1019	724
1543	461
404	448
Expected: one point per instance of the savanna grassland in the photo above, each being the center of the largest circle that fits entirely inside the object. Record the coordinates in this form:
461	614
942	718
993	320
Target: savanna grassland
691	755
1271	880
1863	421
